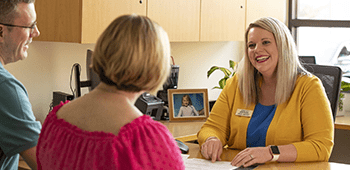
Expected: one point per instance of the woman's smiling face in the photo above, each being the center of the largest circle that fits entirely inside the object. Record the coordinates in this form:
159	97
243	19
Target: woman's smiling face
262	51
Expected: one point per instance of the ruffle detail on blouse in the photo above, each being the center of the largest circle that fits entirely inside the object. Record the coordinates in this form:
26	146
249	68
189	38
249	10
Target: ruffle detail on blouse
140	144
64	124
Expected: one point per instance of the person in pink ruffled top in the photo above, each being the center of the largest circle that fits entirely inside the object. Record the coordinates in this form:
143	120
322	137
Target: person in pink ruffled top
103	129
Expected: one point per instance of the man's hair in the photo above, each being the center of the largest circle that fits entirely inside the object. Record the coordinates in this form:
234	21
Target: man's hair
288	67
133	54
8	9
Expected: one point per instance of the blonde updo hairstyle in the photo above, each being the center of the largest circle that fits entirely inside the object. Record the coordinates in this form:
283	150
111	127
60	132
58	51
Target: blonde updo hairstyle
134	54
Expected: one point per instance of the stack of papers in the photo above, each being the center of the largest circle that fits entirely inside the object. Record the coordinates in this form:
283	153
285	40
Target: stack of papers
203	164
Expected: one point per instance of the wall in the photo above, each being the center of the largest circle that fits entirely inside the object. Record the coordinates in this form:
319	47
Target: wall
195	59
346	102
48	68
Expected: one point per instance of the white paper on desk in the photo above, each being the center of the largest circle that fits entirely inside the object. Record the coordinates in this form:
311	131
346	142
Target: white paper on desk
184	157
203	164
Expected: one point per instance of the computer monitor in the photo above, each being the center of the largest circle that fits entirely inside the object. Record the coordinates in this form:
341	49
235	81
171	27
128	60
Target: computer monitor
93	78
91	75
171	83
172	80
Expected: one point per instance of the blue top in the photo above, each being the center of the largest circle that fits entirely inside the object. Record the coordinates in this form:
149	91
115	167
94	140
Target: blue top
258	125
19	130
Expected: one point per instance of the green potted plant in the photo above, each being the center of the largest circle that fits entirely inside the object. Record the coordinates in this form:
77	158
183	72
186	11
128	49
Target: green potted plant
227	73
344	87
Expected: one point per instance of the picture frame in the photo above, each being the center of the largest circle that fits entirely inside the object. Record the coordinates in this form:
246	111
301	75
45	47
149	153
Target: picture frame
188	104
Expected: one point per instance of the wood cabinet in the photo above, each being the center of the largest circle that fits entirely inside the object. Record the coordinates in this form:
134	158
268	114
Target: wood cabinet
199	20
80	21
268	8
222	20
179	18
83	21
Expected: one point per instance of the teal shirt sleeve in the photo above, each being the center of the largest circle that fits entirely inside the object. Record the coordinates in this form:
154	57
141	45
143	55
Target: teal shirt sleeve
19	130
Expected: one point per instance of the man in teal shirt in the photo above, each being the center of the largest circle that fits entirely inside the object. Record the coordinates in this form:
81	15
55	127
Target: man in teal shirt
19	132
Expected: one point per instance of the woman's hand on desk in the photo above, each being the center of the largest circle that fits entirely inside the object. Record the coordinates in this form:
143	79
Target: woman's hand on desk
251	156
212	149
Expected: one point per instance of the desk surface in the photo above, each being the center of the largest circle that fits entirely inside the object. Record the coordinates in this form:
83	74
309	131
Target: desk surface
228	155
184	131
343	121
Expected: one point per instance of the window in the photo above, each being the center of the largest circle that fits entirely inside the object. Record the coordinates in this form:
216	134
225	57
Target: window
321	28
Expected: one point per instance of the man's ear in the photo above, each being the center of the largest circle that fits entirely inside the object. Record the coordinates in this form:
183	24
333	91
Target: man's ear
1	34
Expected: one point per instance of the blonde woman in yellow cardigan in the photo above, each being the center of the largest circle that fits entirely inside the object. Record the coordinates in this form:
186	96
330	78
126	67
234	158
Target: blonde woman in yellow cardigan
272	109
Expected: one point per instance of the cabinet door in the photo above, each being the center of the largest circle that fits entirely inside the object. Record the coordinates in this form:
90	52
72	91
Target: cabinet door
98	14
179	18
266	8
222	20
58	20
80	21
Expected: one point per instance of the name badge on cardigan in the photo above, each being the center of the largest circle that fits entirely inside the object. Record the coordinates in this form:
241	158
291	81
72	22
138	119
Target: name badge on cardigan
245	113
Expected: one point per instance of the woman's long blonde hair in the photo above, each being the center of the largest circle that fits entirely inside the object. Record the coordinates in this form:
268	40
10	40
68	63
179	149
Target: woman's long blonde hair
288	66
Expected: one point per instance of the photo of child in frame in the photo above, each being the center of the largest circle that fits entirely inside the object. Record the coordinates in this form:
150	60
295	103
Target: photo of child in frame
184	107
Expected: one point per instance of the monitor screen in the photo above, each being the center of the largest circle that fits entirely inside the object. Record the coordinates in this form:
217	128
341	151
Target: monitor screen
172	80
91	75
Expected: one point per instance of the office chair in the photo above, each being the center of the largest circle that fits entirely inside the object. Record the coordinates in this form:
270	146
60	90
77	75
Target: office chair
331	79
307	59
2	154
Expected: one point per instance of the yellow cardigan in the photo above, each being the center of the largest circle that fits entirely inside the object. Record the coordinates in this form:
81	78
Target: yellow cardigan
305	120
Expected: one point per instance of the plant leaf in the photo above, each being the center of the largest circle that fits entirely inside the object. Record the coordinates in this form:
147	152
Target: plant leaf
345	86
211	70
222	83
226	71
232	64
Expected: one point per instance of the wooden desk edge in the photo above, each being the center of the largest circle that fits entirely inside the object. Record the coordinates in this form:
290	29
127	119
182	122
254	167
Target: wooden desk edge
342	126
187	138
228	155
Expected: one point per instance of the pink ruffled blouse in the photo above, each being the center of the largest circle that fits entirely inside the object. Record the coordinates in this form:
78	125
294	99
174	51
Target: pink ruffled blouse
141	144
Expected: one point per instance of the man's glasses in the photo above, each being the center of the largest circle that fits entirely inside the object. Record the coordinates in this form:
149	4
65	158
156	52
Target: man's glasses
32	27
